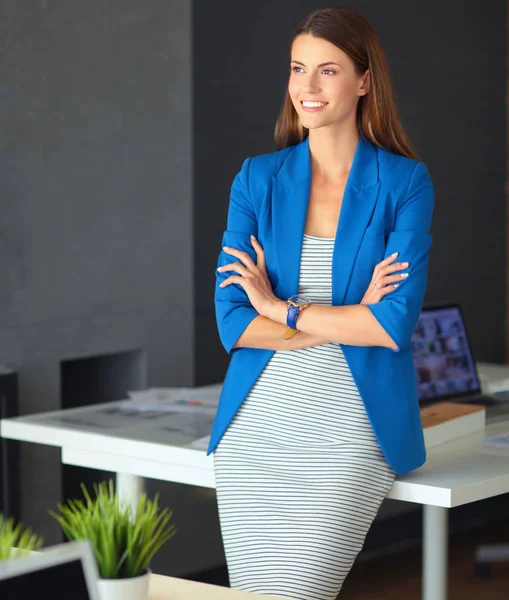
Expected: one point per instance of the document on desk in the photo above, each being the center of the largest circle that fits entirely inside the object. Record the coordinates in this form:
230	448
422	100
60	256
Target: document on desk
501	439
167	398
201	444
190	419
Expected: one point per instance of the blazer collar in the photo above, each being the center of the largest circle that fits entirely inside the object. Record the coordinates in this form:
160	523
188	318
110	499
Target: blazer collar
363	173
291	189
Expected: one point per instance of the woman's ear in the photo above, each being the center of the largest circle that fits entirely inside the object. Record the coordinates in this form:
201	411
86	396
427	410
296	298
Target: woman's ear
365	86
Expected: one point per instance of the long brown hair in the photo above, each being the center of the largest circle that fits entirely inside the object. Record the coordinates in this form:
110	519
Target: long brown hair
377	115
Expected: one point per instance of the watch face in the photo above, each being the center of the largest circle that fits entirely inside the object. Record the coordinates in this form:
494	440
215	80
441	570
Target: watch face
299	300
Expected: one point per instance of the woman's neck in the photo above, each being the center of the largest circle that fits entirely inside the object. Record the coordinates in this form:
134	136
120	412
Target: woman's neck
332	153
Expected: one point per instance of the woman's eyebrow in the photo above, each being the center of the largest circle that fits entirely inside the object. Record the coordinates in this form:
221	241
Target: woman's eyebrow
331	62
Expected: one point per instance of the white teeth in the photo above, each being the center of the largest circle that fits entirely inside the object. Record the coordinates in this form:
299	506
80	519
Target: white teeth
313	104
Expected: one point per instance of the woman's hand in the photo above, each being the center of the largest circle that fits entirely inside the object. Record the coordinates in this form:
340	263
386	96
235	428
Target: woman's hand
383	279
252	277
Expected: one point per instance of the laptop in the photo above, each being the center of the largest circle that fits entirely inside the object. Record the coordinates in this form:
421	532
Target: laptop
59	572
444	362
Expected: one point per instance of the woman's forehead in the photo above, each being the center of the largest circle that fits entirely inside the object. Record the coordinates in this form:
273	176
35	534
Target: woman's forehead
314	50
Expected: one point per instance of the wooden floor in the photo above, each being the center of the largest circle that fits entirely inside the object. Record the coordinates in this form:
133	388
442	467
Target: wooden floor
398	577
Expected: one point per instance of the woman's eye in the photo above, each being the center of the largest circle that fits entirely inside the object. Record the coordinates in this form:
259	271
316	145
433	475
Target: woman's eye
329	71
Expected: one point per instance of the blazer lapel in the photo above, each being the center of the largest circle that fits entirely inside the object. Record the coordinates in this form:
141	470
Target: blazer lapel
290	200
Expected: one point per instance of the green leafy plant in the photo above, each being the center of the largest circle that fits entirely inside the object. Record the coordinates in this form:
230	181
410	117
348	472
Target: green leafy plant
16	540
124	542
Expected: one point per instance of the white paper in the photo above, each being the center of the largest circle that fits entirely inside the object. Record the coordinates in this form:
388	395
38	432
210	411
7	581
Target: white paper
185	425
96	420
501	439
202	443
167	398
175	415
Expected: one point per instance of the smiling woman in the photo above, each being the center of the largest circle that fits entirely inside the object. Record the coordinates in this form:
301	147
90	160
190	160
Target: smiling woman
319	408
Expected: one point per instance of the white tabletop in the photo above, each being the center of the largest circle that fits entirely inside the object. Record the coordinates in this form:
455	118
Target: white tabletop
172	588
458	472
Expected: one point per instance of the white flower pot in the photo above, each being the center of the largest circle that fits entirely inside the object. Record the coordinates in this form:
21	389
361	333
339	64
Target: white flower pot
134	588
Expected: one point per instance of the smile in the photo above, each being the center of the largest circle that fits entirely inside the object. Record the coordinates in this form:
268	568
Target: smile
313	106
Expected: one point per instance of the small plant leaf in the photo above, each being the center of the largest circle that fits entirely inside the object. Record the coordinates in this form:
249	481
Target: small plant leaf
124	541
16	540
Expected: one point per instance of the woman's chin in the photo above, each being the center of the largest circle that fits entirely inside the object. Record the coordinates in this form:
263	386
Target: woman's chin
313	123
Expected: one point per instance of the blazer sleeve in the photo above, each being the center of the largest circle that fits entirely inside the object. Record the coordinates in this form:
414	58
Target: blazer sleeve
234	310
399	310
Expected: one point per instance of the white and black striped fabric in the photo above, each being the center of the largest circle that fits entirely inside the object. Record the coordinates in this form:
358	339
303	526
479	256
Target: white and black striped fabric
299	473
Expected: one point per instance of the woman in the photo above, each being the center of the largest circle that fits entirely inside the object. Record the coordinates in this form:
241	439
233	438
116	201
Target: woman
319	410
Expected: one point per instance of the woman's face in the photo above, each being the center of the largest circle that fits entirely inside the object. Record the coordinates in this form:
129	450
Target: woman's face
321	72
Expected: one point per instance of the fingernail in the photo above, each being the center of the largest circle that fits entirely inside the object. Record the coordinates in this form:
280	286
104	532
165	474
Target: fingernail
404	274
396	284
253	237
225	248
395	254
219	268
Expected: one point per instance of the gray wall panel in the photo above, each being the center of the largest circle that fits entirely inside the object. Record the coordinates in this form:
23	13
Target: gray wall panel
96	198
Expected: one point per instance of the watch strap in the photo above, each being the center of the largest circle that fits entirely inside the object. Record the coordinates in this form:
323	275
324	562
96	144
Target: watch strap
289	333
291	316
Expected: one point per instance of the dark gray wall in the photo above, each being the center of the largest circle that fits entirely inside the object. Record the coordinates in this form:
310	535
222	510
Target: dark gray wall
96	251
448	63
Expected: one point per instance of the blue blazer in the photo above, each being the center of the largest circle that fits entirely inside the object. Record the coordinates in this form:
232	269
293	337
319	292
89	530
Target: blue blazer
387	207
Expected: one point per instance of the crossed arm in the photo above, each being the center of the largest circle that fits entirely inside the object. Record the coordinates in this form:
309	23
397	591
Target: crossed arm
388	323
354	325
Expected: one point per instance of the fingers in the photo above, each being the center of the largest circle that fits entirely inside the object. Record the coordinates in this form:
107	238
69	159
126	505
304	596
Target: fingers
388	284
241	255
260	254
393	278
379	267
246	259
389	259
385	278
375	295
237	267
387	289
395	267
382	270
248	269
234	279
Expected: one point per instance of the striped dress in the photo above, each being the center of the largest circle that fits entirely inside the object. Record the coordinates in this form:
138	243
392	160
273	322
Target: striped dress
299	473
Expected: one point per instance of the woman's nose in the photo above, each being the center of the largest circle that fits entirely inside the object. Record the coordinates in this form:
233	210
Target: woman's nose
310	85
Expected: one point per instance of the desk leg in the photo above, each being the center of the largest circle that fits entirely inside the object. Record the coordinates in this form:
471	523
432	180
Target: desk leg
435	553
130	488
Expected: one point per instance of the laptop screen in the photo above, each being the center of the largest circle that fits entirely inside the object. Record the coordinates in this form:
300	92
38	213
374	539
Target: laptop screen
55	582
443	361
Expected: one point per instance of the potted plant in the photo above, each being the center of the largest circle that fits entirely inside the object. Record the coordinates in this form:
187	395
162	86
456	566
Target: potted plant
16	540
124	542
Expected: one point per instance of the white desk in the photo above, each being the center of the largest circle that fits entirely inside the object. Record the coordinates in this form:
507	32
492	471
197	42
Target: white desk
455	473
173	588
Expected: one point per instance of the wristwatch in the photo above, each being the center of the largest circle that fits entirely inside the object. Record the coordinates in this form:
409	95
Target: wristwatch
296	303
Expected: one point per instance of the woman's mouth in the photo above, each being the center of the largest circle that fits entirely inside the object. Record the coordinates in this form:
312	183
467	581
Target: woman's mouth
312	106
